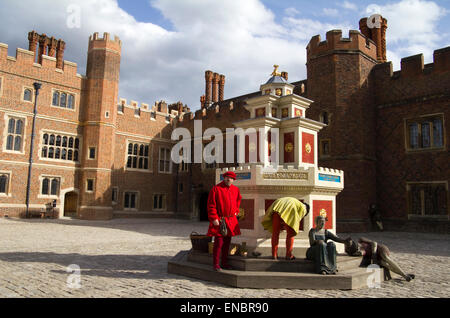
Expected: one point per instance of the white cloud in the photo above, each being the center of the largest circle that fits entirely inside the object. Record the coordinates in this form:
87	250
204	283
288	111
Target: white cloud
237	38
412	26
304	29
330	12
291	11
348	5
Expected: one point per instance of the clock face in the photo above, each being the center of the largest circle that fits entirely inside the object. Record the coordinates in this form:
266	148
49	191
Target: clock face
298	112
284	112
278	92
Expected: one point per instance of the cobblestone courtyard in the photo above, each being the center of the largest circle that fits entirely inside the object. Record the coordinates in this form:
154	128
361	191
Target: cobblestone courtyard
128	258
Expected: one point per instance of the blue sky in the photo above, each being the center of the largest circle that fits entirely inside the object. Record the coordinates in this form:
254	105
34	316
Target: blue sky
168	44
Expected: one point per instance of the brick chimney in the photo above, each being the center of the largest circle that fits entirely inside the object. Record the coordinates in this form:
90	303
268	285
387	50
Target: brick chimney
208	79
215	88
33	39
203	101
221	87
60	47
376	33
52	43
43	43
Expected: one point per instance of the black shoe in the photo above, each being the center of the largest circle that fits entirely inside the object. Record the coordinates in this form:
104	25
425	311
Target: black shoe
217	269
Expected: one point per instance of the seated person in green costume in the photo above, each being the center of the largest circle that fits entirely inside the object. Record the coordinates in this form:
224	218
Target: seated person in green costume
323	253
284	213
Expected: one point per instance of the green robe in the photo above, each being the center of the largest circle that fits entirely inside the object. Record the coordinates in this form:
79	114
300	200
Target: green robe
290	210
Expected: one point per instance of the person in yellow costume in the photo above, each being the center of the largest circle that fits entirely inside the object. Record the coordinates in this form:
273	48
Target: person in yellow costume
284	213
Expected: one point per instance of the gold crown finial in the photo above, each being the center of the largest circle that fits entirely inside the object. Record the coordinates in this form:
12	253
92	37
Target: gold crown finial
275	73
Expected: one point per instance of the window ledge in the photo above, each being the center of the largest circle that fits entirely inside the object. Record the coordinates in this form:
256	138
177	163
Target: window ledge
428	217
420	150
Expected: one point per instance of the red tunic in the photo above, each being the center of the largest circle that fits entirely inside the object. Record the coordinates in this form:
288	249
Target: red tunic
224	201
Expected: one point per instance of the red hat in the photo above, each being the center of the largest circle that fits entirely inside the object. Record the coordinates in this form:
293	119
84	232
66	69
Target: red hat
230	174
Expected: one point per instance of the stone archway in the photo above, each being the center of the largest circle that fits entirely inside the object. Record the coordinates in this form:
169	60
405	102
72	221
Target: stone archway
70	204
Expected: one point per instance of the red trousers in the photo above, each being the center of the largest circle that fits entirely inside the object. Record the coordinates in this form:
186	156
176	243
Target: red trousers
221	244
277	226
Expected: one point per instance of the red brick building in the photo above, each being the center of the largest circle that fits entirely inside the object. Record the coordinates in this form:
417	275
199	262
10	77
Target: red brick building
101	157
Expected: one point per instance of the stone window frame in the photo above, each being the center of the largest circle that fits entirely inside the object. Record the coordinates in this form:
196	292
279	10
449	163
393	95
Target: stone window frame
8	175
422	215
420	120
75	98
137	198
87	185
88	157
321	142
50	178
161	197
22	97
138	156
183	167
63	135
7	118
169	151
116	201
322	117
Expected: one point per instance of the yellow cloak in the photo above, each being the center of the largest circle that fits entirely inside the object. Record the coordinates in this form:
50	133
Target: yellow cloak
290	210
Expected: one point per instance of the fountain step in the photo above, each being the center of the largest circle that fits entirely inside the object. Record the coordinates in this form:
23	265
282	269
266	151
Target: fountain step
344	262
353	278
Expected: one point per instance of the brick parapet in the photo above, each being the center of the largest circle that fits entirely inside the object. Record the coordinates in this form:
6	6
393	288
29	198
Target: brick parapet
334	42
413	80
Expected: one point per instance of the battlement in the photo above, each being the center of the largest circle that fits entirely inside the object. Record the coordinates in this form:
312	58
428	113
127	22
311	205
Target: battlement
335	42
413	66
105	42
26	58
143	110
205	113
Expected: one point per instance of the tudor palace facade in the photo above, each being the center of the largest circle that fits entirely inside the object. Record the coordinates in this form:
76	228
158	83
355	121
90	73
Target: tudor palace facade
96	156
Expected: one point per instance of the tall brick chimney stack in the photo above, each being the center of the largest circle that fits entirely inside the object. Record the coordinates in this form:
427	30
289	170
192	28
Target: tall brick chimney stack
209	79
52	43
33	39
221	87
43	43
215	88
377	33
60	47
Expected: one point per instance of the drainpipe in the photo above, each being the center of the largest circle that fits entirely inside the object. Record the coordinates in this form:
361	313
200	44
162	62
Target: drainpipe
37	87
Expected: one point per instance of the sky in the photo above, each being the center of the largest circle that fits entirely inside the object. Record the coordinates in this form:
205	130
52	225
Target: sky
167	45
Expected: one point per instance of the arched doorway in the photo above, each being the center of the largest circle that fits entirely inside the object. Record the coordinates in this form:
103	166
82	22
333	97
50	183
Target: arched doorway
70	204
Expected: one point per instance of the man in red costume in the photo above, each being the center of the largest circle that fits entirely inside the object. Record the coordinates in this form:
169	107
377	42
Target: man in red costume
223	201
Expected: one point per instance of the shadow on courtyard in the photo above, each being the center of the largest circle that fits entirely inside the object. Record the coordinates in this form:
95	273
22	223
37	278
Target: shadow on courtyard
112	266
150	226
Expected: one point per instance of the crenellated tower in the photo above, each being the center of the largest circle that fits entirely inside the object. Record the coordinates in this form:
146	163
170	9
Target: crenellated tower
99	122
338	72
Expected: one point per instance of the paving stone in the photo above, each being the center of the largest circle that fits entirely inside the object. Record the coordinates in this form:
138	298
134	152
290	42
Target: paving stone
128	258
